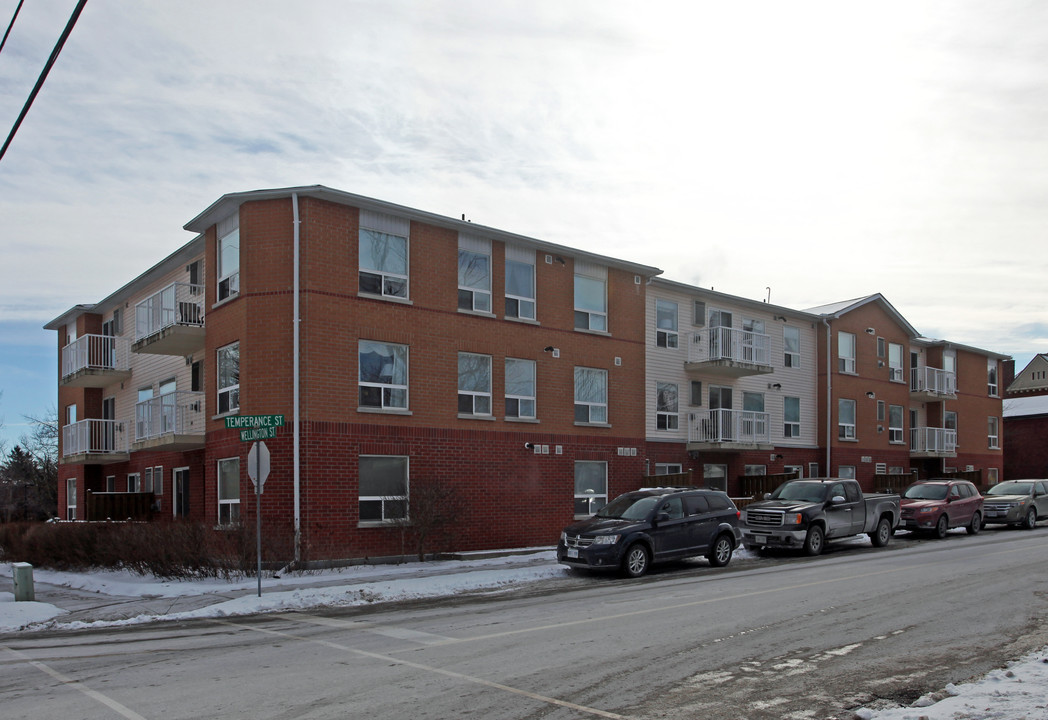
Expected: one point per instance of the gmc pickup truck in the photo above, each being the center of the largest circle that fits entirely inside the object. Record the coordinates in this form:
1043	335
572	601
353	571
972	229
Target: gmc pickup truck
807	514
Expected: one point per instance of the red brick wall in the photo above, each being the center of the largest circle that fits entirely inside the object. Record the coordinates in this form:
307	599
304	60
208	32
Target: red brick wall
1026	451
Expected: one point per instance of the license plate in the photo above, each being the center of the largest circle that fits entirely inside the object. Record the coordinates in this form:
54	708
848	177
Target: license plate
760	538
573	552
991	513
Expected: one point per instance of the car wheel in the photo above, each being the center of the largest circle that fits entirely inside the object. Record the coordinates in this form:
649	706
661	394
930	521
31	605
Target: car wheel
976	524
814	540
883	535
1031	519
942	526
636	561
720	554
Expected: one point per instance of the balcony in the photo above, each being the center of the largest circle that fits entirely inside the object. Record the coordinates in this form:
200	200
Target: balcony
94	442
95	361
170	322
726	430
931	384
172	421
728	353
929	442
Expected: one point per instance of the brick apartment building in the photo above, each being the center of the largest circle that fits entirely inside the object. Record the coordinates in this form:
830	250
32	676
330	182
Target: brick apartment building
1026	420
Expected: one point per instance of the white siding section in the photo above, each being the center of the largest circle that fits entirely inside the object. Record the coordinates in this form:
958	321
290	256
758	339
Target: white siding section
231	223
385	223
474	244
593	270
520	254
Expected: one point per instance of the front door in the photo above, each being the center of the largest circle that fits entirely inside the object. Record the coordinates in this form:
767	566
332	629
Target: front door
670	534
180	485
840	516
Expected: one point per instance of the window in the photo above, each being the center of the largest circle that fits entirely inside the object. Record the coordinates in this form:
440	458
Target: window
665	324
591	395
147	484
520	283
845	419
474	384
134	483
591	486
383	375
991	476
196	376
895	415
991	377
880	411
845	352
698	313
668	468
110	483
383	255
813	469
791	343
71	499
474	275
229	491
229	257
754	470
791	417
383	494
754	421
949	422
696	393
797	470
666	417
591	304
846	471
229	379
880	347
895	369
991	433
520	388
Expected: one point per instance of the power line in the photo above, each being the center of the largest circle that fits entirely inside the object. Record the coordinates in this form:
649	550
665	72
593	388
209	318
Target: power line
11	25
43	75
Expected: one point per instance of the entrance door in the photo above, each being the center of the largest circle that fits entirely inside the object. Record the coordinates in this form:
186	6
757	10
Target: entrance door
715	477
180	485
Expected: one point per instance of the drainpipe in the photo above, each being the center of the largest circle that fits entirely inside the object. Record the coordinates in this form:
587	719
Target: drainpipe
296	321
829	395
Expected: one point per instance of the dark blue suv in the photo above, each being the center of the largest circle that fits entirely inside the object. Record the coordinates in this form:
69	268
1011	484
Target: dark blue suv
653	525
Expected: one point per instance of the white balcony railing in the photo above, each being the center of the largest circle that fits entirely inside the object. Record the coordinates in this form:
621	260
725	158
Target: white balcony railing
94	437
721	343
177	304
173	413
734	426
933	440
95	352
933	380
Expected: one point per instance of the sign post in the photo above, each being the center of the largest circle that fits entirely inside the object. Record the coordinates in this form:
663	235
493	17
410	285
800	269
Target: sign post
254	429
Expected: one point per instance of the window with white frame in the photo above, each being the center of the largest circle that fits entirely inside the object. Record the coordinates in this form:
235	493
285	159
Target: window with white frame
591	395
845	419
520	283
846	471
474	384
229	491
591	486
147	480
881	342
666	417
668	468
754	470
474	274
949	422
591	302
666	324
797	470
895	419
846	352
791	417
881	405
382	371
383	488
791	343
991	377
229	379
991	476
134	482
754	422
895	369
383	255
991	433
520	388
71	499
228	232
813	469
110	483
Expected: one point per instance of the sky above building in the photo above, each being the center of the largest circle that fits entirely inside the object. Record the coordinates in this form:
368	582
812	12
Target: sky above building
806	152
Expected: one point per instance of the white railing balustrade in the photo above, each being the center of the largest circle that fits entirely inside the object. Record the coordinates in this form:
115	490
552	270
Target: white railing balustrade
737	426
177	304
95	352
94	436
933	440
933	380
721	343
173	413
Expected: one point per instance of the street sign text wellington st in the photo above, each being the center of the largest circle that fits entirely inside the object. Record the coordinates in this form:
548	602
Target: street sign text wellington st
255	427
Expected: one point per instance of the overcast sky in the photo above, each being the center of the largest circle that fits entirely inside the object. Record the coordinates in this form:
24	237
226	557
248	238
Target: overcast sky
827	150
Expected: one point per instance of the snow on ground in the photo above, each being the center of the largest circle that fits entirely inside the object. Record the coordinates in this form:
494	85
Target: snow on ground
17	615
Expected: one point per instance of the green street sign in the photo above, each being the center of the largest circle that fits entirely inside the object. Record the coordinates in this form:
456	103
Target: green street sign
261	433
239	422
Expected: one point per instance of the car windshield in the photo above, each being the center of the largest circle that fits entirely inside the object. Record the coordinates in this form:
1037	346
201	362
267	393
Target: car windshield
1011	488
627	507
804	491
925	492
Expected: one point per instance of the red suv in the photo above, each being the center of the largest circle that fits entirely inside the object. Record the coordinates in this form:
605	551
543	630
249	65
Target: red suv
939	504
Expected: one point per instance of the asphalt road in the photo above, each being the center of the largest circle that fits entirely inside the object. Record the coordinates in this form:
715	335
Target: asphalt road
783	637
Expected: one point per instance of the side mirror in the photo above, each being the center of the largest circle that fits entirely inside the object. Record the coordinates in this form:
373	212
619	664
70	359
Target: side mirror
837	499
767	496
662	517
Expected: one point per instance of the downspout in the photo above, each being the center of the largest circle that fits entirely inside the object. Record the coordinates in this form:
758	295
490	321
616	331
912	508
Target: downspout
829	395
296	320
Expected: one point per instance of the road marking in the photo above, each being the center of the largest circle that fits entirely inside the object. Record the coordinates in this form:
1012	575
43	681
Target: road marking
429	668
422	638
76	685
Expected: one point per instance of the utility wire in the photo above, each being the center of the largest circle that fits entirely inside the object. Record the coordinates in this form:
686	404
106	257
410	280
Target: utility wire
13	18
43	75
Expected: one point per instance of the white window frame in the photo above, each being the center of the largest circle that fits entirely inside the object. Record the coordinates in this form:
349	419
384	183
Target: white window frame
228	507
392	395
476	394
177	498
230	392
110	483
667	407
992	386
799	469
993	426
668	468
147	480
846	471
388	503
895	430
134	482
845	352
473	297
593	494
896	372
991	476
595	408
791	358
520	405
228	232
845	430
754	470
393	231
591	318
71	498
523	305
791	428
666	324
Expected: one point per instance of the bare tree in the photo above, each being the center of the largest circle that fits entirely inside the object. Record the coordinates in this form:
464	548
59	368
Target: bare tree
38	464
434	508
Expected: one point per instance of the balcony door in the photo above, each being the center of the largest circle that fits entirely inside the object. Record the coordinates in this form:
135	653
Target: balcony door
720	334
180	486
720	412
